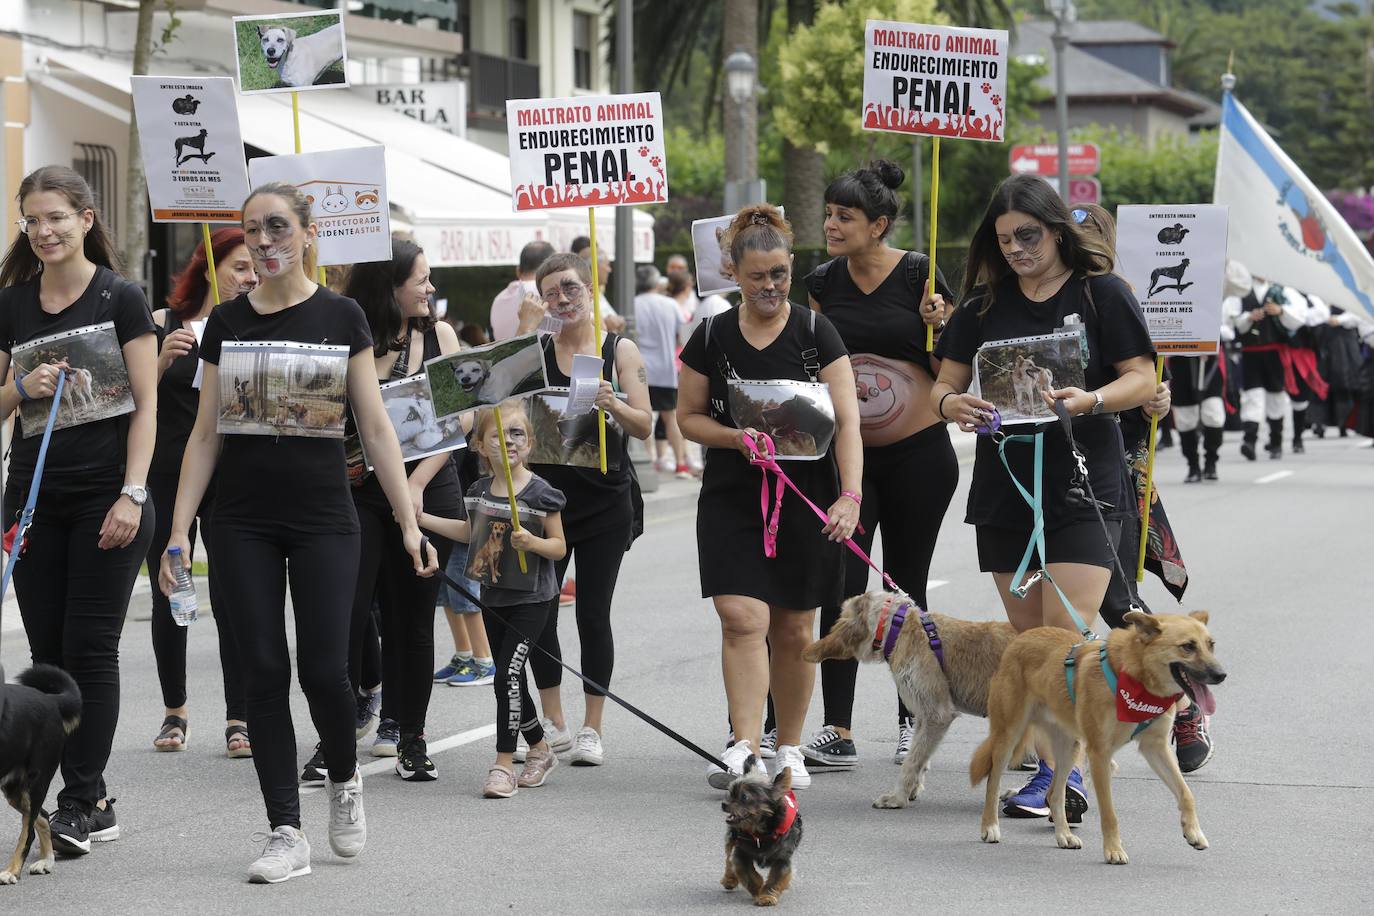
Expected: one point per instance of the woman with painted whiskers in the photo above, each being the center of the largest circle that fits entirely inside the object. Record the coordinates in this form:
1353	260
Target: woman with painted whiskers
94	519
877	297
283	509
769	601
1032	270
191	301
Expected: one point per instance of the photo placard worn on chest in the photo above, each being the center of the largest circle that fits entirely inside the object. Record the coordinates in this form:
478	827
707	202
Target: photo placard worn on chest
97	381
570	439
492	560
282	388
1016	374
798	416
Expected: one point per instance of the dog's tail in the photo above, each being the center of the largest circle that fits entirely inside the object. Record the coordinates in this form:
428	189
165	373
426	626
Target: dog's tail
56	683
980	767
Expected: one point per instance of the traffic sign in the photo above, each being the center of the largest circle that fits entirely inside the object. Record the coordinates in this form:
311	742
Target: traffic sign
1084	159
1081	190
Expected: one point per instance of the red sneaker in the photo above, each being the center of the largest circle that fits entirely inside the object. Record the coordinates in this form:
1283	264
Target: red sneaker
568	593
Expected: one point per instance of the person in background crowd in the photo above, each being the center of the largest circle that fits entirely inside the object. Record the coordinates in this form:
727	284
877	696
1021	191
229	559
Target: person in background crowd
581	246
473	335
190	302
505	308
1307	387
94	518
611	320
657	320
1338	361
1264	318
677	264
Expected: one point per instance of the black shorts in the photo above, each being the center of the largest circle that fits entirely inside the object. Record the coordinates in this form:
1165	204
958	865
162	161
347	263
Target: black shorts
662	398
1000	549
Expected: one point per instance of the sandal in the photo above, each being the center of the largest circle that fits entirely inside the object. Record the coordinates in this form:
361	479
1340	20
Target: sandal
173	729
236	743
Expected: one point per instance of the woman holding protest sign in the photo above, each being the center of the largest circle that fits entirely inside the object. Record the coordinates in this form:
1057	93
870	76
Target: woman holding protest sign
66	311
600	519
282	497
1032	270
178	391
766	590
878	299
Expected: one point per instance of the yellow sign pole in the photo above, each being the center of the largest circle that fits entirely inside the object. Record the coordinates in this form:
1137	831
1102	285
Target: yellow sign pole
1149	481
296	127
934	219
510	486
210	260
596	324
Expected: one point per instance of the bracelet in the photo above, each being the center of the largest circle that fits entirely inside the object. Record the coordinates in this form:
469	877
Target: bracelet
858	500
940	407
19	387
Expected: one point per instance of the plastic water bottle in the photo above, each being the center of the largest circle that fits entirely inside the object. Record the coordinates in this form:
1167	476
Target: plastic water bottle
183	597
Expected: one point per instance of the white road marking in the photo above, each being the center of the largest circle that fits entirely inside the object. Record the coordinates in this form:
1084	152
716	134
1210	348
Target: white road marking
435	747
1277	475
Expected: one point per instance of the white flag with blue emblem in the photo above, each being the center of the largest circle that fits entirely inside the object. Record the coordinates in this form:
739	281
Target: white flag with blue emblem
1282	227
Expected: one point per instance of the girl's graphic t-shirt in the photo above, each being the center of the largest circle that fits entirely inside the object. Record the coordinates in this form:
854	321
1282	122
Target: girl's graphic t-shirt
492	560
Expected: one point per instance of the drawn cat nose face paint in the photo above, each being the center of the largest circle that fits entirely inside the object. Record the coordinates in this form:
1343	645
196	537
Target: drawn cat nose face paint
273	234
1021	238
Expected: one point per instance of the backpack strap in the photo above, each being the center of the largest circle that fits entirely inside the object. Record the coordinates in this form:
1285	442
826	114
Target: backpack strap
917	272
811	356
817	279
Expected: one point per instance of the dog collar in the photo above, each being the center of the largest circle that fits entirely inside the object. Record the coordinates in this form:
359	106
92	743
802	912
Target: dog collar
882	624
1136	704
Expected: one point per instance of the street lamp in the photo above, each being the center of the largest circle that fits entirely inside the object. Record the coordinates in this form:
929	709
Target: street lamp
740	71
1065	14
740	77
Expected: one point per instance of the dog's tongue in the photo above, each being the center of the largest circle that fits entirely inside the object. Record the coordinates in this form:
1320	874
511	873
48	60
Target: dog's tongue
1202	695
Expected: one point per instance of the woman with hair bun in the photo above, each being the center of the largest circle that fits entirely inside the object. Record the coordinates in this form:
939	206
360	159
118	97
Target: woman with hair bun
878	297
767	598
178	361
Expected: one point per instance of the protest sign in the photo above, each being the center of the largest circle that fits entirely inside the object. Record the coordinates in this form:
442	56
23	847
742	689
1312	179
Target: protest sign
711	253
485	376
348	202
1174	256
291	51
192	152
587	151
935	80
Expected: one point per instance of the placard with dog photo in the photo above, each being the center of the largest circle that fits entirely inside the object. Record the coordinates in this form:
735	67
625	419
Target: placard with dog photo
411	411
282	388
97	381
798	416
1016	374
714	268
291	52
571	441
486	375
348	201
491	558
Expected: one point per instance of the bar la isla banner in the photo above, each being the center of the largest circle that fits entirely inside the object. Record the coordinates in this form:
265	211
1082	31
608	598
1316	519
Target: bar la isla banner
587	151
935	80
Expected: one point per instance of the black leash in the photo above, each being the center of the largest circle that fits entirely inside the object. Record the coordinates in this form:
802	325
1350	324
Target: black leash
706	755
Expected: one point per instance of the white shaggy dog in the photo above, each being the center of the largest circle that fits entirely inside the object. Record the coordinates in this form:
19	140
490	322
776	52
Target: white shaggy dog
77	394
415	424
299	61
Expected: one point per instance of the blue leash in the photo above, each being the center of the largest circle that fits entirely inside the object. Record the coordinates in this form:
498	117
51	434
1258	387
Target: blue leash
26	518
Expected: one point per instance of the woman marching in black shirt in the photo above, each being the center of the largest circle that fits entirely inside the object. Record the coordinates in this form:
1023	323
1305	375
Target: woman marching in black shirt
282	497
95	520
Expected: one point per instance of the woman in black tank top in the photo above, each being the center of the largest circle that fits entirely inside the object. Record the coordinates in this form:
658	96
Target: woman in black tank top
599	518
178	394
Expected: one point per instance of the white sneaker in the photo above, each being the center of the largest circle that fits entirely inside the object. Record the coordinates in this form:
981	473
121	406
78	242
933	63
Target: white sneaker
735	757
560	740
347	823
789	755
665	465
587	751
287	855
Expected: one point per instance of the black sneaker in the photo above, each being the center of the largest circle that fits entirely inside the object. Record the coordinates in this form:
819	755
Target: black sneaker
412	760
1192	743
1209	471
315	770
1248	450
102	824
1194	474
70	830
828	749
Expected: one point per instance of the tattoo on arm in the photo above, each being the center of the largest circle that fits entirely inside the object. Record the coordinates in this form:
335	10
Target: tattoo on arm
643	376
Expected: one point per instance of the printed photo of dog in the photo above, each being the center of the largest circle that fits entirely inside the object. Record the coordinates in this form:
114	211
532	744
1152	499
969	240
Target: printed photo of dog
714	269
972	652
571	441
294	51
411	412
491	558
798	416
96	386
282	389
1166	654
1016	375
762	832
1030	384
486	375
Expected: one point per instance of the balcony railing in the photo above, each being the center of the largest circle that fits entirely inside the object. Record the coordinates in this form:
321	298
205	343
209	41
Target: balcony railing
493	80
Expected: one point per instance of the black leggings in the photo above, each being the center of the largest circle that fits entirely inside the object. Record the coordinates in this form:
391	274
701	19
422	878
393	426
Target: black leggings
169	639
73	598
598	567
406	602
323	571
907	488
516	713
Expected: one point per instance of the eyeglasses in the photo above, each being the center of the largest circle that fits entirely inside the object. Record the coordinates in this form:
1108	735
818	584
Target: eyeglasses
30	225
568	289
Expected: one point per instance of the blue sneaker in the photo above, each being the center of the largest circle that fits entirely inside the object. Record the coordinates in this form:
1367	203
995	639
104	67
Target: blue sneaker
473	674
455	664
1030	800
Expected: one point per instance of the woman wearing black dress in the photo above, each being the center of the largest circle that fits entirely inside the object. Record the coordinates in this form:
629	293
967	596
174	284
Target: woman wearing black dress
768	602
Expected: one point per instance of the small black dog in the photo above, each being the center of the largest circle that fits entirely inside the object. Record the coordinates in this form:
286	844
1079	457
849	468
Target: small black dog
764	832
186	105
36	716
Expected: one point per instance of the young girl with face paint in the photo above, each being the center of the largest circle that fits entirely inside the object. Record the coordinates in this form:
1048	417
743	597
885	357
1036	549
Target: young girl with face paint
1032	270
599	518
94	518
189	304
768	602
877	297
282	508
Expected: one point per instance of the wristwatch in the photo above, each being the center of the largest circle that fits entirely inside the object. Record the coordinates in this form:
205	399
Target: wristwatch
137	495
1097	407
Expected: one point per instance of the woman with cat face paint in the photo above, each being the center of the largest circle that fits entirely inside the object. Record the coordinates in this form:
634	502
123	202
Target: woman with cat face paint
1033	270
282	507
877	298
765	592
61	299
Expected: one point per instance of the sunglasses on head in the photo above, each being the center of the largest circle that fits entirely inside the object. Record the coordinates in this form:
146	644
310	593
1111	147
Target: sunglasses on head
1078	215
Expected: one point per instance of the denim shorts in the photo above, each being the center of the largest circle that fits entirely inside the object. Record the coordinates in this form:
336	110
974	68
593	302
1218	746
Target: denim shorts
457	564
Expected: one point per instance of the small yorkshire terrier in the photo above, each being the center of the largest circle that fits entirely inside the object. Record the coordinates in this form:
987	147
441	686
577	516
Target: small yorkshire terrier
764	830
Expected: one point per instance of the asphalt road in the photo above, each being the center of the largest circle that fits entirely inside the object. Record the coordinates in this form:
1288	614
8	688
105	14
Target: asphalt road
1278	553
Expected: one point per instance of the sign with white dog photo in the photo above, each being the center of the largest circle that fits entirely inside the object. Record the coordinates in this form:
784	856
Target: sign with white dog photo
282	388
291	52
710	251
1015	375
97	380
491	558
188	129
348	202
411	411
798	416
487	375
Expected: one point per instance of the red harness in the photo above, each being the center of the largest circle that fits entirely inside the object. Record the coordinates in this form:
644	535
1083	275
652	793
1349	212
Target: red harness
789	817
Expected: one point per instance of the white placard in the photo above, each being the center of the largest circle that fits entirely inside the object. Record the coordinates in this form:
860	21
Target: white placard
348	202
287	52
1174	257
587	151
583	384
935	80
192	151
714	267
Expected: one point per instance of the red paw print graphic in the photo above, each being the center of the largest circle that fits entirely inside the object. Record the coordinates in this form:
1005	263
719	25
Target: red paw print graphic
997	100
987	87
655	162
643	151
